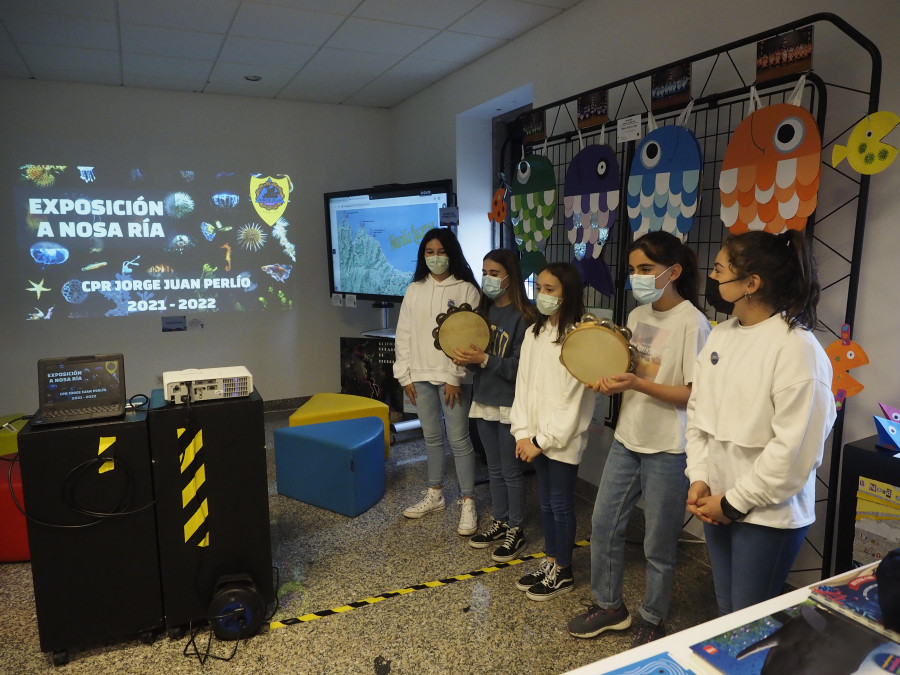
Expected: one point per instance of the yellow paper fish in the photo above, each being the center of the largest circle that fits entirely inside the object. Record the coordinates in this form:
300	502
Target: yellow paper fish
864	150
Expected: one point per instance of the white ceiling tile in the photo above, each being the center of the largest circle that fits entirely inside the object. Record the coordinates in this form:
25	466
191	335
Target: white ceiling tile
61	30
415	12
14	71
103	10
170	42
269	22
253	51
134	65
55	57
457	47
9	56
243	88
210	16
379	37
272	76
335	74
503	18
344	7
77	75
167	83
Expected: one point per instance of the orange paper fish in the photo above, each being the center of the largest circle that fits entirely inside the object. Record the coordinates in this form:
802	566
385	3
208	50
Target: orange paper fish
845	355
770	172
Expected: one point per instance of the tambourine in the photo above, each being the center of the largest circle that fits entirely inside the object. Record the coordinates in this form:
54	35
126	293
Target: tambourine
596	348
461	327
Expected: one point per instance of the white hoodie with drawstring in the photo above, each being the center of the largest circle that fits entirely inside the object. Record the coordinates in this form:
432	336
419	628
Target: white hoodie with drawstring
416	357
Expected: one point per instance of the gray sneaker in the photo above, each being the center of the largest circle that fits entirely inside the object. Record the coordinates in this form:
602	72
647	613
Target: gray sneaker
596	620
434	501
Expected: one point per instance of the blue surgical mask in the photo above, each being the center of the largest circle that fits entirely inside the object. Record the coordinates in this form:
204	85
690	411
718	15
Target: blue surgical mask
491	286
643	287
437	264
547	304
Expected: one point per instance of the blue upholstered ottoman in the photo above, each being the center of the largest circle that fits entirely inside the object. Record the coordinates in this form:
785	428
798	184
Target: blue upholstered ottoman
337	466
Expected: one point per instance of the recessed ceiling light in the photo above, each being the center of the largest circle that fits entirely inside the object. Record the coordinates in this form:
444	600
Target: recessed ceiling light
252	78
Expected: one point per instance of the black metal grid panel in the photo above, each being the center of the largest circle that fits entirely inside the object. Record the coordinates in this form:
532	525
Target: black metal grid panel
835	231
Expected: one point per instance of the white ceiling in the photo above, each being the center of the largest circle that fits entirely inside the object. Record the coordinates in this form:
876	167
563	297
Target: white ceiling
358	52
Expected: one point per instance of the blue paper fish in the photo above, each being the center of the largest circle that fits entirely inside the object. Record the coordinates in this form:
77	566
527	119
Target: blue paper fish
664	183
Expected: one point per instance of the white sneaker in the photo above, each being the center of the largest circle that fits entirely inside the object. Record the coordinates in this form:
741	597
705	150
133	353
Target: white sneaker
434	501
468	519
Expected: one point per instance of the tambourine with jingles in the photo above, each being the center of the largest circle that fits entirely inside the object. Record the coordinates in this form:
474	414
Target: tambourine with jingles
461	327
596	348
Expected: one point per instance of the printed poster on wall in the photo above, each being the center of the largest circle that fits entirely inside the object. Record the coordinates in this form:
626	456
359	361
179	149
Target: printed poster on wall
670	88
785	54
534	126
593	109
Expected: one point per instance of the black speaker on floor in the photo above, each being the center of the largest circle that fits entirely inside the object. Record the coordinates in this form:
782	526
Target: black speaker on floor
88	494
212	503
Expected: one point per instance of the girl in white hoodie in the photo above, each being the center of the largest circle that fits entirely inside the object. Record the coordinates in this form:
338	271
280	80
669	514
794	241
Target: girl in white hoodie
549	420
440	390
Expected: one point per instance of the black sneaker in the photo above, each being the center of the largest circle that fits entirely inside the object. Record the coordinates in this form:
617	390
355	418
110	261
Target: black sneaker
509	549
556	582
648	632
535	577
496	532
596	620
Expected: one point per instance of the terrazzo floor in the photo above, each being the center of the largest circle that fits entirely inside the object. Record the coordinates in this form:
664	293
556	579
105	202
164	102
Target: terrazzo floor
326	560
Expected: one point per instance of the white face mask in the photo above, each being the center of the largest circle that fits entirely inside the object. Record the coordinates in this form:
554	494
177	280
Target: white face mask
547	304
437	264
491	286
643	287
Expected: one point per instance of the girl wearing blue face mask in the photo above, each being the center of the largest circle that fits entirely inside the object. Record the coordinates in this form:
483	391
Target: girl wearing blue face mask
549	420
440	389
647	454
509	312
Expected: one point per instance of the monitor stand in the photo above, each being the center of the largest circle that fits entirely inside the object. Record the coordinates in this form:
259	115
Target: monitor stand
385	331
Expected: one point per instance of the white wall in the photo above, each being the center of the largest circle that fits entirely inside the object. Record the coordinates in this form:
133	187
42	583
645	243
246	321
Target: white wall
293	353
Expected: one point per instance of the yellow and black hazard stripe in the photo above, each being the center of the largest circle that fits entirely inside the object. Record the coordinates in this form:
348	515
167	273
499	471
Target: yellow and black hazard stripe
194	501
306	618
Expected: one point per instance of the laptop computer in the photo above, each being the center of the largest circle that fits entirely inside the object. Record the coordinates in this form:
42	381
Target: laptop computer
80	388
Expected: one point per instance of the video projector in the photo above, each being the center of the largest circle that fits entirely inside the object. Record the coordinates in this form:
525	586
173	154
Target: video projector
206	384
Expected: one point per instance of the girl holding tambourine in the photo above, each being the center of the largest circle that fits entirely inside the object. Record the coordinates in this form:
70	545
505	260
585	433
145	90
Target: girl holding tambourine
509	314
647	453
759	415
549	419
440	389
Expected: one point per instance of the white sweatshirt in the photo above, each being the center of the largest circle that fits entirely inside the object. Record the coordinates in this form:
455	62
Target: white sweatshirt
416	357
760	410
550	404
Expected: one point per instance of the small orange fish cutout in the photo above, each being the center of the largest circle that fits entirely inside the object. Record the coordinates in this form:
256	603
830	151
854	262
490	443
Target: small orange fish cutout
845	354
498	207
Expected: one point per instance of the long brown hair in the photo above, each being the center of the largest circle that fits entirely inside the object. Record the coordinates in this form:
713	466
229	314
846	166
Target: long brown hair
786	267
572	307
516	288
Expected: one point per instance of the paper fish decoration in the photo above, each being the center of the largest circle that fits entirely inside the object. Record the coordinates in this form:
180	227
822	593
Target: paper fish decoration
770	173
888	432
892	414
845	354
664	182
864	151
591	202
498	207
533	205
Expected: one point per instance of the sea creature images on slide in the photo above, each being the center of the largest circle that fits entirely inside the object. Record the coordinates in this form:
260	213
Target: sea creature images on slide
73	292
180	243
49	253
178	204
160	270
42	175
38	288
251	237
279	231
225	200
278	272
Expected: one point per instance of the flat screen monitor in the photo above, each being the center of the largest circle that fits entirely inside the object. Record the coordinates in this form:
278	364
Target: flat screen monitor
374	236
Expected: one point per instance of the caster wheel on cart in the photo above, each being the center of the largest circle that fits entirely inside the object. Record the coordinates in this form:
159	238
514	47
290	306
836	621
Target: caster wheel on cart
60	657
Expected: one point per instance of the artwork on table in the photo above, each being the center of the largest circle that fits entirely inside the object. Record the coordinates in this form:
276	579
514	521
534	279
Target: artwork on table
865	152
845	354
784	55
532	206
877	521
888	433
591	202
663	190
770	173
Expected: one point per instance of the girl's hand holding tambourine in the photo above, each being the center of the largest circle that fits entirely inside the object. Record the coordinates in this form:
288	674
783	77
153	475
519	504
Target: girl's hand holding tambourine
468	357
615	384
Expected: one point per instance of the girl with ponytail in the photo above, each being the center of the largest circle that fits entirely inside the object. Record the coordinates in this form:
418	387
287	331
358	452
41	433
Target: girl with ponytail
758	416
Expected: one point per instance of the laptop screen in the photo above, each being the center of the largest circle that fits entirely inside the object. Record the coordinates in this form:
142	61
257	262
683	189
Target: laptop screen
73	383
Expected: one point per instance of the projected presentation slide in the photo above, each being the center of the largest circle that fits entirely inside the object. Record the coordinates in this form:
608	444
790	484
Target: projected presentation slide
98	242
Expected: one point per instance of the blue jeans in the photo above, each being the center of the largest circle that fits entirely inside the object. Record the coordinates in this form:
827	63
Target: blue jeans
504	471
434	415
750	563
556	487
626	475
